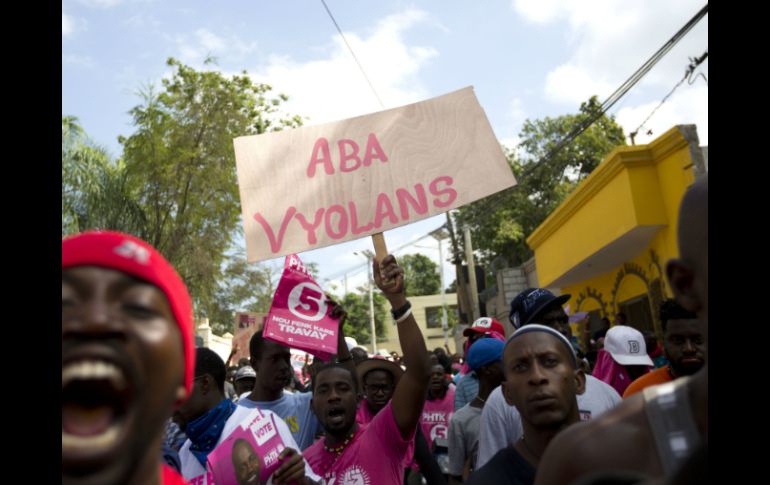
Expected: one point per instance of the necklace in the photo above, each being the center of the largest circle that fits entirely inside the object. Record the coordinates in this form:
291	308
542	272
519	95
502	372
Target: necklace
483	401
337	450
529	450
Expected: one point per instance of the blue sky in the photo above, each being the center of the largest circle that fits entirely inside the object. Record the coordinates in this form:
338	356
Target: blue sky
525	59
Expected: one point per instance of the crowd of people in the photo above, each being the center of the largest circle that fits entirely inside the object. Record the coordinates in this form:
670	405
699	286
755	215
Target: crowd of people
141	404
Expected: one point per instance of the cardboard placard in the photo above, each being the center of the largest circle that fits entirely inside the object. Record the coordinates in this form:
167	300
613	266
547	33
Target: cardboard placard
320	185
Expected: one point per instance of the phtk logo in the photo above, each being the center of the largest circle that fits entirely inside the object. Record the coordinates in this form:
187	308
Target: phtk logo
355	476
484	322
131	250
633	346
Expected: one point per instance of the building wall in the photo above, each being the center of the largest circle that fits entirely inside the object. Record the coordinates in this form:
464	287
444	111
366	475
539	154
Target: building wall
221	345
635	187
434	337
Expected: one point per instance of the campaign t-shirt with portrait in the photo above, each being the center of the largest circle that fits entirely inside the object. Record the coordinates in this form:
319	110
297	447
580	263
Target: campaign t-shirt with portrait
295	411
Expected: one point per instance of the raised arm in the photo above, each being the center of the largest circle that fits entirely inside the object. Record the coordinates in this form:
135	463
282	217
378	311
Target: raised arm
409	396
343	354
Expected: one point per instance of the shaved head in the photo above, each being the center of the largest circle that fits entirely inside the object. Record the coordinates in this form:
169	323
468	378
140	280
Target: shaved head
688	274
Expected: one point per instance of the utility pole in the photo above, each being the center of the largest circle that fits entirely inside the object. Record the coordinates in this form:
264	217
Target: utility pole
474	296
440	234
369	255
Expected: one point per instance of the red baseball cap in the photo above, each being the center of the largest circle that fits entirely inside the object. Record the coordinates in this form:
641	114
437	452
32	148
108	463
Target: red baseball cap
485	325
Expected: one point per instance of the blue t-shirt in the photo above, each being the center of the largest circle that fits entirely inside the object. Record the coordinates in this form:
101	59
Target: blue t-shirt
295	411
466	390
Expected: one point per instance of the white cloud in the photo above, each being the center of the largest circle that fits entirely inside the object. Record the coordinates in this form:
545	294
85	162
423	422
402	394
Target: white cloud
67	25
84	61
541	11
688	105
332	86
204	43
101	3
608	40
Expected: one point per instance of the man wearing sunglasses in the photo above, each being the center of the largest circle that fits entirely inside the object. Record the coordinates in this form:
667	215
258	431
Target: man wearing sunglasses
501	421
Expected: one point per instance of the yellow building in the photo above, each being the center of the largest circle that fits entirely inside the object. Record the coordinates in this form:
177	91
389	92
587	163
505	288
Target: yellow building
608	243
427	312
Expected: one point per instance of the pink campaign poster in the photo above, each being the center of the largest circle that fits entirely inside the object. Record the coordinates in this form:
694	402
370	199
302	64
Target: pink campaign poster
299	316
249	455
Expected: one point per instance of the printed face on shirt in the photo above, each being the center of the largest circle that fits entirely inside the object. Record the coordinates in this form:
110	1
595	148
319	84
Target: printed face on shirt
335	400
540	379
122	372
246	463
685	346
273	366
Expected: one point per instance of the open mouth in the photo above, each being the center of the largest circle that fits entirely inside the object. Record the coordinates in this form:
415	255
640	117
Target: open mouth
95	397
336	416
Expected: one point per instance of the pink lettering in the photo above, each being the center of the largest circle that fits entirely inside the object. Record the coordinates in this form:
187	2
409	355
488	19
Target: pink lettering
311	227
345	157
384	209
373	150
354	220
275	244
420	205
449	192
342	224
325	157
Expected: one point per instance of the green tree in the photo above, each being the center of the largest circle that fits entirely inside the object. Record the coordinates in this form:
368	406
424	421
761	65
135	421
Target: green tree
358	324
94	190
421	275
177	180
501	223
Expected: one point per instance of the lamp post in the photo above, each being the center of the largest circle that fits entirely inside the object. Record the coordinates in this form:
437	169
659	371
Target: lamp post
440	234
369	255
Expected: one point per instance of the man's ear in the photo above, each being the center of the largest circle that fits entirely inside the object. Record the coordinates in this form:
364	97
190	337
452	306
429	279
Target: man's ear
507	393
681	277
580	382
181	395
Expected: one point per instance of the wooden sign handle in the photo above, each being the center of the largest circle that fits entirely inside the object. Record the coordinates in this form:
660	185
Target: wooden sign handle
380	251
380	248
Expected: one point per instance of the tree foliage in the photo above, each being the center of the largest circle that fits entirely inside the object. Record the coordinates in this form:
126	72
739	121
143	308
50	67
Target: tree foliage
358	324
176	184
421	275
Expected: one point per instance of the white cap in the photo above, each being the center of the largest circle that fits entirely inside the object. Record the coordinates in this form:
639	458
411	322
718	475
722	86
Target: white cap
350	342
626	345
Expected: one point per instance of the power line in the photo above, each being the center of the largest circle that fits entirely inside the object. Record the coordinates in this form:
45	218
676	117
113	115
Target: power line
353	54
496	201
358	268
687	75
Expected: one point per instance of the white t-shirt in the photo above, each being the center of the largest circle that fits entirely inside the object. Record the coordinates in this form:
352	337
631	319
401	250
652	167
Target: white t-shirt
501	423
195	473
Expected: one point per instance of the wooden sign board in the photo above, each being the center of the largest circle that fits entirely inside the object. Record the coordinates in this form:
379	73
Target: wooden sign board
315	186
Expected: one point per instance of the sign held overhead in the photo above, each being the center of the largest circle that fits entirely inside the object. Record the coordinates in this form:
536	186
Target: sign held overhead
320	185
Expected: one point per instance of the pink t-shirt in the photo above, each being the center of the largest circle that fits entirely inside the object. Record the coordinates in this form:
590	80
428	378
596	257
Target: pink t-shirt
436	415
374	456
363	415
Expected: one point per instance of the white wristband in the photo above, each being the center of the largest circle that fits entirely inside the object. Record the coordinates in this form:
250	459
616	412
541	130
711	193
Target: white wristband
404	316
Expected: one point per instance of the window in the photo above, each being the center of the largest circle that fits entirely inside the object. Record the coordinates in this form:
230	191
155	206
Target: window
433	315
